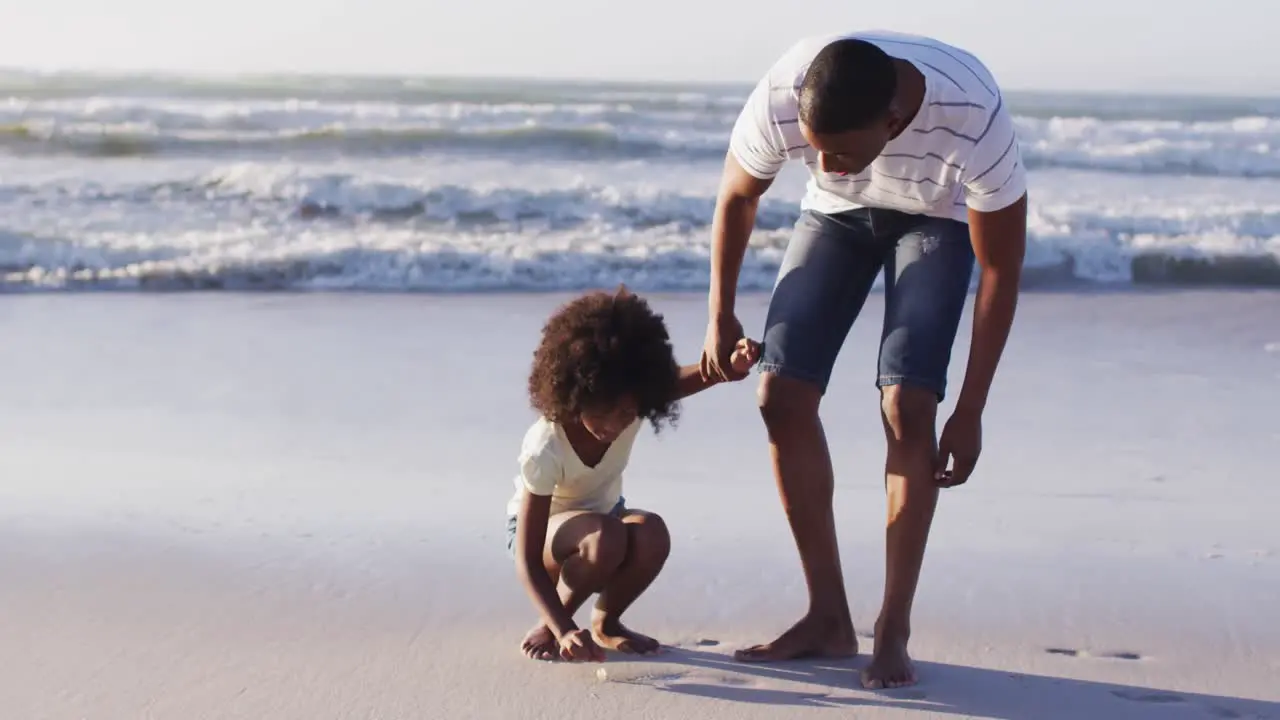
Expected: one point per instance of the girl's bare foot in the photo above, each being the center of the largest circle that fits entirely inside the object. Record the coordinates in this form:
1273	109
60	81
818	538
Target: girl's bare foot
611	634
540	644
890	664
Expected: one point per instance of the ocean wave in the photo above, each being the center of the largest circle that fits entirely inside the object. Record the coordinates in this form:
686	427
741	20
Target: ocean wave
529	202
432	186
37	93
601	207
395	261
291	253
35	87
1240	147
285	193
447	270
598	141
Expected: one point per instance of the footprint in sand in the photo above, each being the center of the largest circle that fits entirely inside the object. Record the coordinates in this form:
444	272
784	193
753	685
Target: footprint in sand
632	676
727	680
1149	696
1116	655
1160	697
1122	655
669	680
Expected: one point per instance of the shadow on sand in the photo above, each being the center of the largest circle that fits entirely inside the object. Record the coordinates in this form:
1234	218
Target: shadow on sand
945	690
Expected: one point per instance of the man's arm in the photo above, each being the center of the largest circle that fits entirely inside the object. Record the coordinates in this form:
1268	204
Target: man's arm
995	186
756	153
735	216
999	242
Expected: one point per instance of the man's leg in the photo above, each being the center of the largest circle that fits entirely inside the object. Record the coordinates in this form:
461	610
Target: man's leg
926	284
826	274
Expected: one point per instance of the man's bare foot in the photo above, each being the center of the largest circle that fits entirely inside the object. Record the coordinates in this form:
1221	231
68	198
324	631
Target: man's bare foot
890	664
813	636
611	634
540	644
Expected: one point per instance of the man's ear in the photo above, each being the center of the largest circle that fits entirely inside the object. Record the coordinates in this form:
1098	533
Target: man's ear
893	120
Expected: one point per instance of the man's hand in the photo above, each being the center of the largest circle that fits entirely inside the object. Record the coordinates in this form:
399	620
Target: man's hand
999	242
735	215
961	442
724	333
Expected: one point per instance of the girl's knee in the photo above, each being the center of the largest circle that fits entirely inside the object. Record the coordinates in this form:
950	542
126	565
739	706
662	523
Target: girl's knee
649	540
606	548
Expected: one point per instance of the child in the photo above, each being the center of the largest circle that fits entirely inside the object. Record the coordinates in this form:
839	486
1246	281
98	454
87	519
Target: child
604	366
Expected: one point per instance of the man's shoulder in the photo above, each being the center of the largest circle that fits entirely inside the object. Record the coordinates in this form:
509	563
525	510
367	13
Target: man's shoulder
781	82
962	72
968	73
796	58
903	42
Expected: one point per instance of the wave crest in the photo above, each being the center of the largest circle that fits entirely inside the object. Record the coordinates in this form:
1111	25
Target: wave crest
1246	146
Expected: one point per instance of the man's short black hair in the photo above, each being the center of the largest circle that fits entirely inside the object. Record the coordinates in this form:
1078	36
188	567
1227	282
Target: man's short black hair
849	85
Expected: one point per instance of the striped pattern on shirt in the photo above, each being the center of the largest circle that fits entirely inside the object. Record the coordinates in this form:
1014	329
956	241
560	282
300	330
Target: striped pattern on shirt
959	152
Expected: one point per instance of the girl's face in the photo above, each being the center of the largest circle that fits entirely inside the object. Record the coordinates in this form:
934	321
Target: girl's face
607	423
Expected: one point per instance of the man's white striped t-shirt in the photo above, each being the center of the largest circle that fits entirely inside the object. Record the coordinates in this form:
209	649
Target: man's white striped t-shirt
959	152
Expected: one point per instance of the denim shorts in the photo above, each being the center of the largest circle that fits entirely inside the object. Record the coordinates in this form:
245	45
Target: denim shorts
617	511
828	270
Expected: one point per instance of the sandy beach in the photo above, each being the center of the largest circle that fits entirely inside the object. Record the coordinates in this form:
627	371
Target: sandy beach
291	506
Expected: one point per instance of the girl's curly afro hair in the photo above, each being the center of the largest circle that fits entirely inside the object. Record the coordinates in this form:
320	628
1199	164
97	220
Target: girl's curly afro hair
599	349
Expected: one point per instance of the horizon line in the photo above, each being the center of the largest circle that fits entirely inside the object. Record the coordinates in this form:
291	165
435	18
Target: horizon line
231	75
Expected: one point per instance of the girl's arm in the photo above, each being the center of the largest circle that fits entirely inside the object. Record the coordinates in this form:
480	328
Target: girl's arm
531	538
691	381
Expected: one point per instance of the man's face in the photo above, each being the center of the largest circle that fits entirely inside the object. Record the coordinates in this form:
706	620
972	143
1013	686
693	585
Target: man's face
849	153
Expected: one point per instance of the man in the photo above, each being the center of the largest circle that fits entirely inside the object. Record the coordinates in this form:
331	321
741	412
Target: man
915	169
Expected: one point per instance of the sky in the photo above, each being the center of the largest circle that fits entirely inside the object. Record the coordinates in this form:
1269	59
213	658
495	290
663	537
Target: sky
1159	46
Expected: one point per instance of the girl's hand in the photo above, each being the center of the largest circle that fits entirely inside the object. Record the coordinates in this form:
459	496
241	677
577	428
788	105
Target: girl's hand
579	646
745	354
